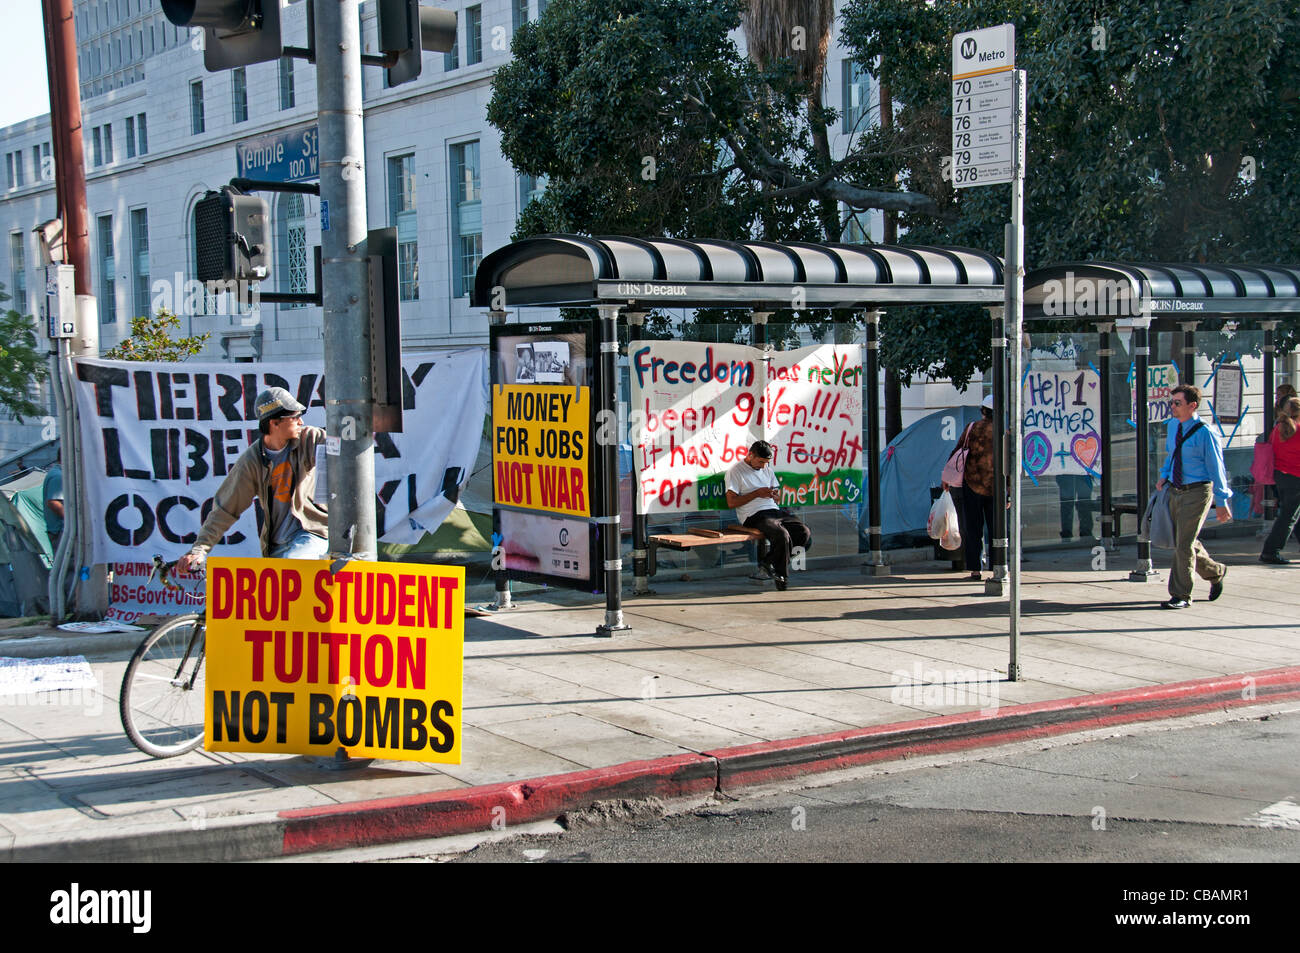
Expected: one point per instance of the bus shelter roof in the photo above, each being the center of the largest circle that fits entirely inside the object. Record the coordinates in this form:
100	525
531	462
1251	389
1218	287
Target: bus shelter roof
638	273
1108	290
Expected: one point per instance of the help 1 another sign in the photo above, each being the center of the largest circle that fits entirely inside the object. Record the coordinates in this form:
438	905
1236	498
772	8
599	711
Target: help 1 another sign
292	156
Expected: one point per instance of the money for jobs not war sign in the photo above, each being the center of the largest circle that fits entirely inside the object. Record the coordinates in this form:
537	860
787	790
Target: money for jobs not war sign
303	660
696	408
1062	423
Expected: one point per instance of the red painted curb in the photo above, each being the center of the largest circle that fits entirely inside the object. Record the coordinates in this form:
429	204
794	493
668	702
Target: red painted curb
476	809
766	762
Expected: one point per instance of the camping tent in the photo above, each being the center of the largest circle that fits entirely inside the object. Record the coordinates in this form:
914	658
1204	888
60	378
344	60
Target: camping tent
24	547
912	463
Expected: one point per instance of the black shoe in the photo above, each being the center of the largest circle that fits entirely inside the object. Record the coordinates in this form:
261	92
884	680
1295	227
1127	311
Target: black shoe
780	583
1216	588
1176	604
1274	559
975	577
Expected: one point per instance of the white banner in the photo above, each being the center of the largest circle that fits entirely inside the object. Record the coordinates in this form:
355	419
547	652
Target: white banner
158	439
696	408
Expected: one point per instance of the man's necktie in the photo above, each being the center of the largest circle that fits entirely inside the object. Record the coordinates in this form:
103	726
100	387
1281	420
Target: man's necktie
1178	456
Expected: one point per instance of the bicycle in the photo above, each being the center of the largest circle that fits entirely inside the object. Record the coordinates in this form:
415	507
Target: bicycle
162	698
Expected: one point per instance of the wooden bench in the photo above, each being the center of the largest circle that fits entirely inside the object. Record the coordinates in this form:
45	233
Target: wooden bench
696	538
1119	507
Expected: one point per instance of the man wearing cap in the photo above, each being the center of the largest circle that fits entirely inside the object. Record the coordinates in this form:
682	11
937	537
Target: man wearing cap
280	470
752	491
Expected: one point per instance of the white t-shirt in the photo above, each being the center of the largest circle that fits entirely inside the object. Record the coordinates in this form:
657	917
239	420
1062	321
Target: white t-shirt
742	479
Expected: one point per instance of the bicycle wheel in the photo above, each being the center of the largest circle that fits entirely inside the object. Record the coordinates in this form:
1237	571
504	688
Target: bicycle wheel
162	690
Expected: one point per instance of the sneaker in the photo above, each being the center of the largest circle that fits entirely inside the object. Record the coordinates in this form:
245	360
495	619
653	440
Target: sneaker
1175	604
1274	559
780	583
1216	588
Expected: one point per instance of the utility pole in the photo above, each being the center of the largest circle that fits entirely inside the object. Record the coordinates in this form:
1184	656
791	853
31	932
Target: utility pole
349	401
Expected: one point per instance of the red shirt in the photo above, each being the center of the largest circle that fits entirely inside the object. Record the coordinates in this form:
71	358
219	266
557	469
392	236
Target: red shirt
1286	453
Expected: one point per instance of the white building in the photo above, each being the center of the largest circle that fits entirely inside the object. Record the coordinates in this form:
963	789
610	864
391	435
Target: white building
160	131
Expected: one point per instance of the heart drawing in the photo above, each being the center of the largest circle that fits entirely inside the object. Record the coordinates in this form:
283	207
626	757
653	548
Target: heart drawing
1085	449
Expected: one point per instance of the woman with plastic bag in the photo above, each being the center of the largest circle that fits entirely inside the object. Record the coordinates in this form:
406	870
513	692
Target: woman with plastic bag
976	510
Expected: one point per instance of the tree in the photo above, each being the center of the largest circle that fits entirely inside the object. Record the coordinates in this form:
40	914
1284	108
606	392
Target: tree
151	340
1157	132
22	366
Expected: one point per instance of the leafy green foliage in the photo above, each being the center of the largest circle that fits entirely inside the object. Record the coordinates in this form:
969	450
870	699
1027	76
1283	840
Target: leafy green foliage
151	340
22	366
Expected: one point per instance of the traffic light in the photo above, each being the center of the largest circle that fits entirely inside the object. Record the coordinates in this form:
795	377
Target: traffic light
407	29
236	32
230	231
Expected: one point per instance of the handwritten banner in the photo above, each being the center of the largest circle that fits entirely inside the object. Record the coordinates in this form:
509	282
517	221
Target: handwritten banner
1161	380
696	408
1062	414
158	439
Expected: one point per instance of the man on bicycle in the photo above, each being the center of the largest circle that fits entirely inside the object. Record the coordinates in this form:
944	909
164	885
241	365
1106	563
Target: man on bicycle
280	470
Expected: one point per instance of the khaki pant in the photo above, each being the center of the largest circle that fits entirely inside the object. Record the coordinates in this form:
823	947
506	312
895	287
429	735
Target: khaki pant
1188	508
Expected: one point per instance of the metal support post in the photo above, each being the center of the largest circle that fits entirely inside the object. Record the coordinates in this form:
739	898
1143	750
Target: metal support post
349	398
640	548
758	329
1015	279
501	577
876	565
608	519
1104	353
1270	403
1187	366
1141	352
993	586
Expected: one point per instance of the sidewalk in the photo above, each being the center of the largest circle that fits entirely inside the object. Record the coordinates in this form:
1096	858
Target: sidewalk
720	684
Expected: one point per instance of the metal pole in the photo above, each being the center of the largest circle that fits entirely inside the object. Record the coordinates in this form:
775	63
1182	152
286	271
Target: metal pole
1141	350
1015	278
640	548
1104	353
349	399
993	586
608	518
500	575
876	566
1187	370
1270	402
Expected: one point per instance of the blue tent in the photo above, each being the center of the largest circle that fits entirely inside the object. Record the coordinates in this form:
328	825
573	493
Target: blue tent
911	464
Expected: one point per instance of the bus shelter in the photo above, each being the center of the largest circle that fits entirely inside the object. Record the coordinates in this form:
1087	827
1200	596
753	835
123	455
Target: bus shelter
1143	299
624	277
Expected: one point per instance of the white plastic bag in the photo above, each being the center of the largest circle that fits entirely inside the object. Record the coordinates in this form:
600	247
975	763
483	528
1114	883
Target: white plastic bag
942	524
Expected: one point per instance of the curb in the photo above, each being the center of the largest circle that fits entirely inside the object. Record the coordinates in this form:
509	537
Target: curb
483	808
54	643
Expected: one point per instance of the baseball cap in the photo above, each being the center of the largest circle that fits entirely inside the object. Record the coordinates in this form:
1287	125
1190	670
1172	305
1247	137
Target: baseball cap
761	449
276	402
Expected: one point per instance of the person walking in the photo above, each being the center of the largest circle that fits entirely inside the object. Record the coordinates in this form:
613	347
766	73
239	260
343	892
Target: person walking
1194	469
1286	478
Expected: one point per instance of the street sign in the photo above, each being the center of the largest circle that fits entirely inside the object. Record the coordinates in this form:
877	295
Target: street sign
983	106
291	156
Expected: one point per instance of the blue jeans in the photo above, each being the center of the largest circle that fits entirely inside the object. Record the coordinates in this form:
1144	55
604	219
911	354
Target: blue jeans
303	546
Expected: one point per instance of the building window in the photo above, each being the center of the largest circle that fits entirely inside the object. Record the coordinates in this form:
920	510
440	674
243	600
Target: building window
47	163
9	170
130	137
18	271
530	187
286	82
108	143
402	214
451	59
856	96
142	134
96	148
107	280
140	260
293	244
466	217
518	14
196	107
474	34
239	94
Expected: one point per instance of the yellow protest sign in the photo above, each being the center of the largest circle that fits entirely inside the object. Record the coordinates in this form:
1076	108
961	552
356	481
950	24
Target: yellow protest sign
541	446
304	661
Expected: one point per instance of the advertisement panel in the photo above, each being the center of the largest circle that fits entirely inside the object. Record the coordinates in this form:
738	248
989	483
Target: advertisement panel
303	660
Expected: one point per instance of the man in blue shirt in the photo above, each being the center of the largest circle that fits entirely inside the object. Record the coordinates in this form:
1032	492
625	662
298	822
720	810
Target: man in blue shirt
52	501
1194	470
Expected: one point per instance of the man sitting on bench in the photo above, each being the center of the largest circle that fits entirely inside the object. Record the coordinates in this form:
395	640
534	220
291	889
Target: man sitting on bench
752	491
